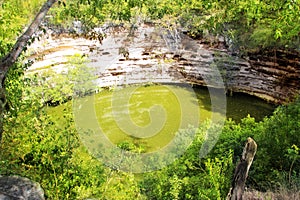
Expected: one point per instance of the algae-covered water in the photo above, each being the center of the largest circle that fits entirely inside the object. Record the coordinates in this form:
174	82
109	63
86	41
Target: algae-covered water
149	116
125	115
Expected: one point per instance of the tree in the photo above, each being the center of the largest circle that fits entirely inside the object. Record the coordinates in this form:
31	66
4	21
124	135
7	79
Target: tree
8	60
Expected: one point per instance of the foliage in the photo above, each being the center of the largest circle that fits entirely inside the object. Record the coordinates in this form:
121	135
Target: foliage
234	136
13	19
251	25
81	76
276	165
48	151
96	12
191	177
130	146
187	180
37	143
120	186
43	145
246	25
278	144
53	88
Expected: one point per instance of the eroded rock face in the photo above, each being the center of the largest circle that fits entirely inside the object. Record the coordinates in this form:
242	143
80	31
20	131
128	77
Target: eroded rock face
273	76
279	74
19	188
158	55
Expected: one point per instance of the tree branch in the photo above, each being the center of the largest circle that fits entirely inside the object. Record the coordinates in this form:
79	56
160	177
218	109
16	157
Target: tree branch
8	60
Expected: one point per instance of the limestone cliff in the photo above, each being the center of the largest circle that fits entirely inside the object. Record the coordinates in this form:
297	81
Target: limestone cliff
159	55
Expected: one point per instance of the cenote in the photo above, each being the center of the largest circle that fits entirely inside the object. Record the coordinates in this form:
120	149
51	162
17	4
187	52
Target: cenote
148	116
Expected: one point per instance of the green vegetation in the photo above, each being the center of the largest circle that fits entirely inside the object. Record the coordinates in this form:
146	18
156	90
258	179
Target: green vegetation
13	19
53	88
46	148
209	178
247	25
41	140
38	144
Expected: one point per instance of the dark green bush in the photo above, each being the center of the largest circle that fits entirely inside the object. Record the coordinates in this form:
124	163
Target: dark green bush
277	145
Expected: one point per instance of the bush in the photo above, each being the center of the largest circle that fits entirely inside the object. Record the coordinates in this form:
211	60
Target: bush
42	149
191	177
277	146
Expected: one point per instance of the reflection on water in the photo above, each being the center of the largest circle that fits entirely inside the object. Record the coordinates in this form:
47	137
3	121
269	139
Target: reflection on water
238	106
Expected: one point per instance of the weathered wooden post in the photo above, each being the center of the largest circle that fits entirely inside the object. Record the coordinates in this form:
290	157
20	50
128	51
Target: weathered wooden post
241	171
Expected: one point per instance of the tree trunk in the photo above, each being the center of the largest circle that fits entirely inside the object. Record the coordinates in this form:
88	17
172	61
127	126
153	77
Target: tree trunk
241	172
8	60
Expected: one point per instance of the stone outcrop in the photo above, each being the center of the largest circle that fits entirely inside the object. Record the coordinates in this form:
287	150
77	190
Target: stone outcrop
279	73
159	55
14	188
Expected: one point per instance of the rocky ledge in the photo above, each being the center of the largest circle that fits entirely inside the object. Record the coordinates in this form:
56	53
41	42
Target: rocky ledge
152	54
279	74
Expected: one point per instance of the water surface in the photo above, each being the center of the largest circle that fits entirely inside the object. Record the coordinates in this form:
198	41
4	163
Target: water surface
129	113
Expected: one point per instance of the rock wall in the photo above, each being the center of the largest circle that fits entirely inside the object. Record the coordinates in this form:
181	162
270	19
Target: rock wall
152	54
279	74
273	77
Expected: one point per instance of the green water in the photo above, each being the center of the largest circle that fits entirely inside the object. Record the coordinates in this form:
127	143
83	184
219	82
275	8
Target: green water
238	106
149	117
